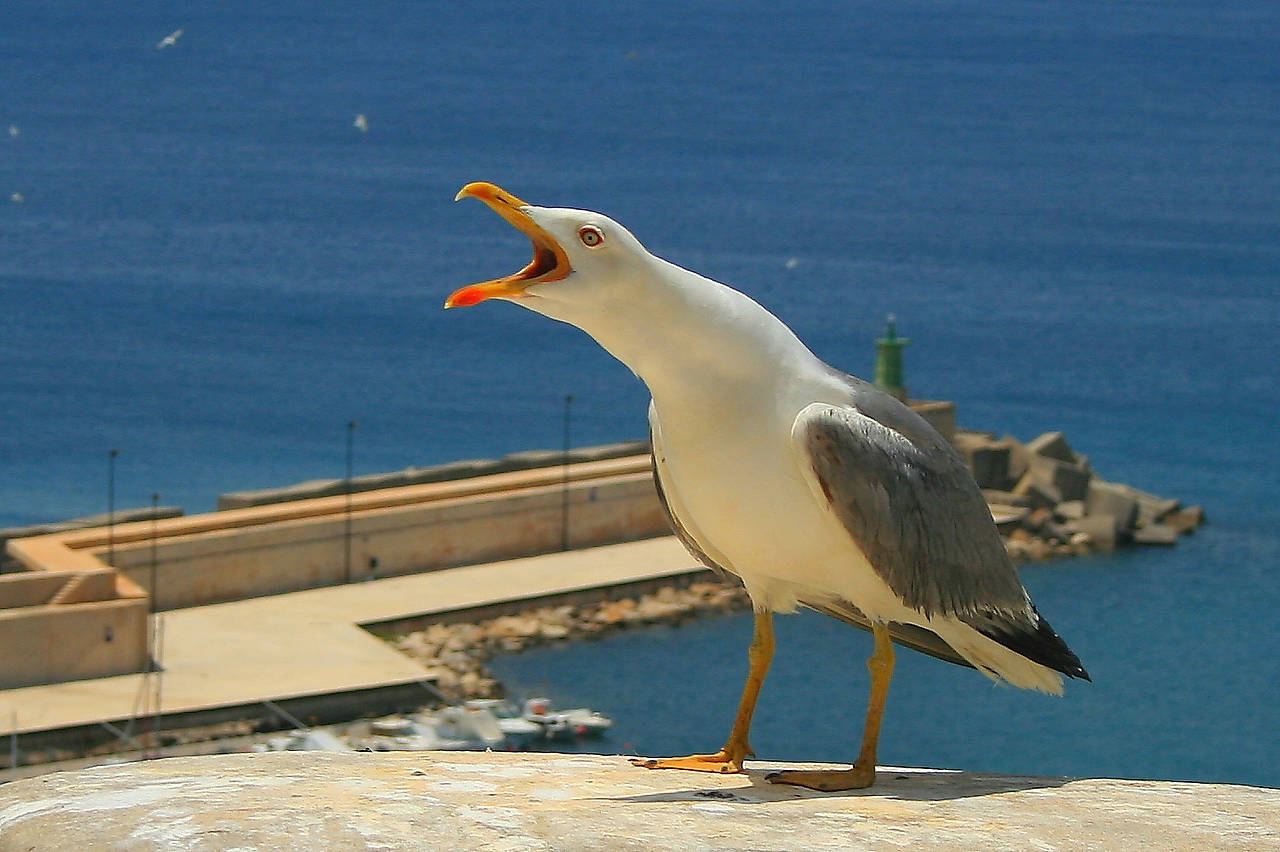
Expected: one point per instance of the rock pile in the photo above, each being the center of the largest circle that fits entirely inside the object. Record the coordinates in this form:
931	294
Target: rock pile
455	654
1048	501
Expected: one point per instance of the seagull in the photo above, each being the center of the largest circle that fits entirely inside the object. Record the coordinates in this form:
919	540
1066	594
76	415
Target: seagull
810	485
170	40
361	123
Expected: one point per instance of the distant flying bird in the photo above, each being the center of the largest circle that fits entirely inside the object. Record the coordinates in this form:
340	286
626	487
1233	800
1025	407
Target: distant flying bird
17	198
14	130
170	40
361	123
812	486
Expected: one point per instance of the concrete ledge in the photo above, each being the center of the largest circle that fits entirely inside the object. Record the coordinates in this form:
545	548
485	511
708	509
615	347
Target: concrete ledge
467	800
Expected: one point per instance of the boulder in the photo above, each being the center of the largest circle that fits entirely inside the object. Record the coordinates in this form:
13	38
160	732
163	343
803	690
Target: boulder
1008	518
1070	510
1069	479
1186	519
988	459
1103	531
1052	445
1037	491
1153	509
996	497
1019	457
1158	534
1114	500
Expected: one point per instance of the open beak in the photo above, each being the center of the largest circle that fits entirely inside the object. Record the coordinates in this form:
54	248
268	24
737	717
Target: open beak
549	263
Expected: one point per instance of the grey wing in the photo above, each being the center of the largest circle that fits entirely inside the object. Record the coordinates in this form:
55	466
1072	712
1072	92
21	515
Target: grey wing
909	503
907	635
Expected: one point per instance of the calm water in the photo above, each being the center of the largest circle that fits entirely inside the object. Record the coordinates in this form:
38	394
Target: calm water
1074	210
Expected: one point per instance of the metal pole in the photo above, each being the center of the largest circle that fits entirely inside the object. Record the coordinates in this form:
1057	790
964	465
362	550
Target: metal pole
155	502
153	651
564	477
346	562
155	710
111	506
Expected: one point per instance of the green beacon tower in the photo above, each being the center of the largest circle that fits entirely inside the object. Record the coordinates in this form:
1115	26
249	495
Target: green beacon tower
888	373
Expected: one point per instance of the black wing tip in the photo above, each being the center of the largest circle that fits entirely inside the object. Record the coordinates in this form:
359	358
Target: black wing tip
1040	645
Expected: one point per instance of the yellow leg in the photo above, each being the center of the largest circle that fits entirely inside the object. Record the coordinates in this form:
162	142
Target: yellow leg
863	772
736	749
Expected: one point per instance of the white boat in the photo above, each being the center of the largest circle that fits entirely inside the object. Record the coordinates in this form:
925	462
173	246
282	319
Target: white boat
451	729
519	731
565	724
314	739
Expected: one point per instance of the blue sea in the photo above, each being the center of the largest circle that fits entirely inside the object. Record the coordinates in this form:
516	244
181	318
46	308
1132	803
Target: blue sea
1073	209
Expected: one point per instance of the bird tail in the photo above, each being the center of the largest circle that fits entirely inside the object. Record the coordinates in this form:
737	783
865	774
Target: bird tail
1025	656
1025	652
1036	641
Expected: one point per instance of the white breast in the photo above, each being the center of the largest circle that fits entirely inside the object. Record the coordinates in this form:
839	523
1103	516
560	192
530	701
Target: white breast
735	482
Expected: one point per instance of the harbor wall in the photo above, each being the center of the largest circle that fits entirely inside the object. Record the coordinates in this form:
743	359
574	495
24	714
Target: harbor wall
282	557
65	626
69	615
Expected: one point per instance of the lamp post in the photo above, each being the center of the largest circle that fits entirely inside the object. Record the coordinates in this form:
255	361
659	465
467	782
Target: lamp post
155	503
564	477
346	562
111	506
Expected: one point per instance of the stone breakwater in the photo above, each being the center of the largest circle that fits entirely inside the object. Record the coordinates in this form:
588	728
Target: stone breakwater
455	654
1046	499
1049	501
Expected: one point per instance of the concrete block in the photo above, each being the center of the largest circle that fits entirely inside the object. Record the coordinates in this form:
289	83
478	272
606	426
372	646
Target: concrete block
1103	530
1052	445
996	497
1158	534
939	414
1019	457
988	459
1008	517
1069	480
1113	499
1153	509
1185	520
1071	510
1037	492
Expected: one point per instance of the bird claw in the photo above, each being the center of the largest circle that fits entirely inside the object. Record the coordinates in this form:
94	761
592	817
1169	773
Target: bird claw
718	763
826	780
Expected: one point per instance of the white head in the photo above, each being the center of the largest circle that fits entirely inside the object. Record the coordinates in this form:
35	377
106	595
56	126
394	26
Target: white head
657	318
585	266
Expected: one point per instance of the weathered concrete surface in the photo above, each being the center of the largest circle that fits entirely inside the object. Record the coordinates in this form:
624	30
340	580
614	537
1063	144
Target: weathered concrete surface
453	800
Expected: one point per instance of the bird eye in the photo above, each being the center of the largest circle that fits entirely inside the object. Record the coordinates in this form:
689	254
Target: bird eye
591	237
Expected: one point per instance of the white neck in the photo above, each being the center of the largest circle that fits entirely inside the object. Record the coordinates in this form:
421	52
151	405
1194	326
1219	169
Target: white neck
682	331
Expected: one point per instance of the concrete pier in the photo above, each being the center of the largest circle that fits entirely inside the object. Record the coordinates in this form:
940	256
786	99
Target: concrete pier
310	643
